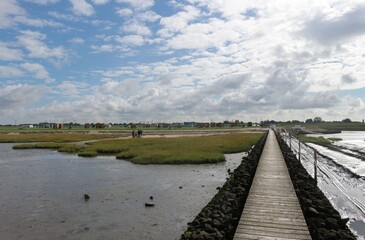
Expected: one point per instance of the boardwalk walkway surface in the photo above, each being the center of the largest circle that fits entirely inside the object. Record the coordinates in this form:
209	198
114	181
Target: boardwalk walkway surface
272	210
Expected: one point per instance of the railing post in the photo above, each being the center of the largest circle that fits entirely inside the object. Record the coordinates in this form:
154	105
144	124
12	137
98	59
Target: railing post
299	150
315	165
290	141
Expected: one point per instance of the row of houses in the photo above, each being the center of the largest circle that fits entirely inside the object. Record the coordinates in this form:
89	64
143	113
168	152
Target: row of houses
224	124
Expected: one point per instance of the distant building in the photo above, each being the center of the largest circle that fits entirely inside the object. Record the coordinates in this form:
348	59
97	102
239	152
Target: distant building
189	124
26	126
57	126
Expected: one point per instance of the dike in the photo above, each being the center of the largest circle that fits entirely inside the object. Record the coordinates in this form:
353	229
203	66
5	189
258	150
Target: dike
220	217
323	221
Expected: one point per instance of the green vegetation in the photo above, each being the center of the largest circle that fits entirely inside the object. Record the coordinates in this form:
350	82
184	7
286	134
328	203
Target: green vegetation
52	137
335	139
183	150
61	147
338	126
316	140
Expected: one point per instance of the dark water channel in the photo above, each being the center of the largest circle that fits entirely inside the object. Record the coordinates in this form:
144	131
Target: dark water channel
41	196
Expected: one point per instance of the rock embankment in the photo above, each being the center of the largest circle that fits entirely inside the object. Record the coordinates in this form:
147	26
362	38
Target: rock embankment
220	217
323	221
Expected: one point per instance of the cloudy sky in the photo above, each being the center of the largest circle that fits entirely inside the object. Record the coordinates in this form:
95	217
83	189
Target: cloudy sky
181	60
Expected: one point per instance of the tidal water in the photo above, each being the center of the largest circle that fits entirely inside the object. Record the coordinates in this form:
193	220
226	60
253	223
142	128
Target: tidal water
340	177
42	196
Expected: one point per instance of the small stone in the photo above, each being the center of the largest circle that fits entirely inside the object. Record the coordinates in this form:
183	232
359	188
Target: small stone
313	211
149	204
151	197
331	223
86	197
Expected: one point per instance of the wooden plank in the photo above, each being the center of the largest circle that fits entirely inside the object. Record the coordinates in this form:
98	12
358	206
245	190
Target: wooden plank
272	210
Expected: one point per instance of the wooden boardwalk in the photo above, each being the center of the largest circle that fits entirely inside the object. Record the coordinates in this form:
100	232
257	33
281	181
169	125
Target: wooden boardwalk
272	210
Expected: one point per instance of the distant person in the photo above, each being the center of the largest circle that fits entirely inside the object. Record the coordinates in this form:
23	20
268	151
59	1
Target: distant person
133	134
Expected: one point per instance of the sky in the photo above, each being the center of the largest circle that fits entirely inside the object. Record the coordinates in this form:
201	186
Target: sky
181	60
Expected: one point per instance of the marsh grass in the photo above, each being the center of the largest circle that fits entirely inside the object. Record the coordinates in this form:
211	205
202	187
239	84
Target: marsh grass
52	137
183	150
316	140
334	139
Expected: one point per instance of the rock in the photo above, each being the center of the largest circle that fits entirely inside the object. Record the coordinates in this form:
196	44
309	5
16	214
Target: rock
331	223
188	234
312	211
149	204
343	221
86	197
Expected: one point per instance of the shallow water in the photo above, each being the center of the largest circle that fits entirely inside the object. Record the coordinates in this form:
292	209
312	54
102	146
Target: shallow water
344	190
42	196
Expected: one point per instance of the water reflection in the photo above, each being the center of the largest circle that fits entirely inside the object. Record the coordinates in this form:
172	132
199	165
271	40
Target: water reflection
42	196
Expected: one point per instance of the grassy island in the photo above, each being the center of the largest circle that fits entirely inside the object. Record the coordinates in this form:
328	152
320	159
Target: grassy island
180	150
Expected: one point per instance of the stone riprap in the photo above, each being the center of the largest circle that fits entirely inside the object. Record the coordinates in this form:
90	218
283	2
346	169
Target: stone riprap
323	221
220	217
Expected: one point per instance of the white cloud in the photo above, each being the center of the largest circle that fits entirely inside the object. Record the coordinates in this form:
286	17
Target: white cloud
37	70
33	42
178	21
137	28
77	40
9	54
81	7
9	9
10	72
134	40
124	12
42	2
148	16
138	4
36	22
100	2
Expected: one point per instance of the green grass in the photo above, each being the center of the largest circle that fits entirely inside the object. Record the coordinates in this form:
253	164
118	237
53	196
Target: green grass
338	126
52	137
183	150
334	139
316	140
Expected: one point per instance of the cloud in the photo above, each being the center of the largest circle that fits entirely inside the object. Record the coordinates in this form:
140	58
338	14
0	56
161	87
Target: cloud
137	28
77	40
124	12
131	40
10	72
33	42
20	95
71	88
348	79
81	7
178	21
100	2
37	70
42	2
9	9
337	29
138	4
9	54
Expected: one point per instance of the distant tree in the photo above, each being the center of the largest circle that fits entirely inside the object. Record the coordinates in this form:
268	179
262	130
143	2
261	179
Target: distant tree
295	121
249	124
309	120
346	120
317	120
